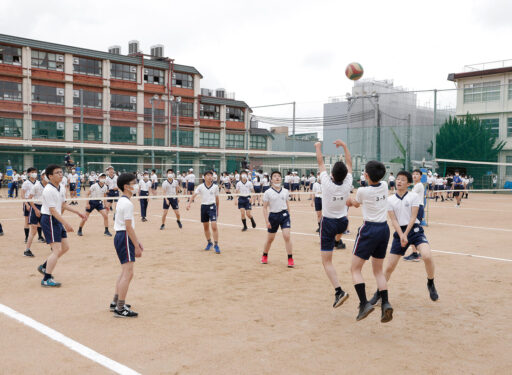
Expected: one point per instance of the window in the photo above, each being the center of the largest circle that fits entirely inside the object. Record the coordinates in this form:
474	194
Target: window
158	142
47	60
509	127
47	129
234	114
91	67
235	140
259	142
123	102
10	55
208	139
159	115
186	137
47	94
186	109
509	89
493	124
11	127
155	76
92	132
183	80
10	91
210	111
91	99
482	92
123	71
124	134
508	170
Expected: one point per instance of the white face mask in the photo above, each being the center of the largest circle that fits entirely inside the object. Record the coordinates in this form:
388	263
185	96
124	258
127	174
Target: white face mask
46	179
170	175
244	176
146	178
102	180
33	175
73	172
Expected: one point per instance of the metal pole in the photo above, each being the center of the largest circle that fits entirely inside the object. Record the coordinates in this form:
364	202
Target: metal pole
293	141
434	132
178	104
82	130
349	119
152	133
379	150
408	144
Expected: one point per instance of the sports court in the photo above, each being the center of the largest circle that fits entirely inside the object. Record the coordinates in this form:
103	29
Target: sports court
202	313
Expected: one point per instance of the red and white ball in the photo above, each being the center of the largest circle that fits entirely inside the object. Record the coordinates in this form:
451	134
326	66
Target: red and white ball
354	71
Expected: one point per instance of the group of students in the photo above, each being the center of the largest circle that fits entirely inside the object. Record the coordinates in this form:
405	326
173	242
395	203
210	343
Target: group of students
447	188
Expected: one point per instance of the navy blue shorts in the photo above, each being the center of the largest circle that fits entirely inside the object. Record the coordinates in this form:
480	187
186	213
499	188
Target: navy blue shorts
416	237
154	185
430	187
457	187
287	185
33	219
265	188
95	205
171	202
124	247
72	186
208	213
363	183
112	193
391	183
53	229
329	228
372	240
245	203
295	187
438	187
257	189
421	213
91	183
184	185
26	211
190	186
318	204
279	219
227	186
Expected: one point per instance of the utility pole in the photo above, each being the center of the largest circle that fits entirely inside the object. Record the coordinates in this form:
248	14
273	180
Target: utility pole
82	130
293	134
152	133
434	132
408	144
178	104
377	116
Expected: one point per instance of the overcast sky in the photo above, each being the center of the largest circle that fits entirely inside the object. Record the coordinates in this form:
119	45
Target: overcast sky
283	50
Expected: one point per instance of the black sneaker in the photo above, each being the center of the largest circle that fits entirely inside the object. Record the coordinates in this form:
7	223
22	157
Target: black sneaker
28	253
107	233
41	269
113	306
162	227
41	239
253	223
341	245
387	313
125	313
179	224
414	257
318	230
364	310
244	229
433	292
375	299
339	298
144	219
79	233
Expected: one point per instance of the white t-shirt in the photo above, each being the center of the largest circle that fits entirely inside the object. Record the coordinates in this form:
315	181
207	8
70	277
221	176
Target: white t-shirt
52	197
391	178
296	179
439	181
154	177
190	178
277	200
430	180
124	211
402	207
15	177
334	197
73	178
93	178
207	194
214	177
64	181
237	177
144	185
97	191
312	180
170	187
317	189
420	190
363	177
244	189
111	182
38	192
255	181
287	179
265	181
27	187
374	202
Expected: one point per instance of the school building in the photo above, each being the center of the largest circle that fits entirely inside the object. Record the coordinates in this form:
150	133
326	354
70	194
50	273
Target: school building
126	106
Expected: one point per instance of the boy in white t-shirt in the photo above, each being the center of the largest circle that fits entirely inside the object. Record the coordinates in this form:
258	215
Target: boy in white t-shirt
244	188
419	189
391	182
170	188
316	201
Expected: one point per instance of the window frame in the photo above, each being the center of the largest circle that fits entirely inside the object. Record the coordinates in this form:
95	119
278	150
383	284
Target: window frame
60	134
127	73
76	99
46	96
49	57
212	140
12	95
114	100
183	77
215	111
149	74
84	64
76	132
131	133
184	134
235	140
13	52
16	125
480	92
255	139
234	111
186	109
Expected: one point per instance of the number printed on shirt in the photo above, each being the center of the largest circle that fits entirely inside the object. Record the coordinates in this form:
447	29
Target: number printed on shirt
382	198
334	199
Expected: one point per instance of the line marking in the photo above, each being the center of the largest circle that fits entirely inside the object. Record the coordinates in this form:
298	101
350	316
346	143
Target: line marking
83	350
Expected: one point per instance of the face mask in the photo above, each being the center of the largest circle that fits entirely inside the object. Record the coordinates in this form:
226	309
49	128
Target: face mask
46	179
102	180
170	175
73	172
244	176
146	178
33	175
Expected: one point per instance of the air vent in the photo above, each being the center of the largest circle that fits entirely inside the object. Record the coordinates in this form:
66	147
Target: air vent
133	47
116	50
220	93
157	51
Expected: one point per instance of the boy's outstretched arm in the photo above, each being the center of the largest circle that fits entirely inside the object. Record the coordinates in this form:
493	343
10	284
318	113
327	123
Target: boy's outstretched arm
319	157
348	157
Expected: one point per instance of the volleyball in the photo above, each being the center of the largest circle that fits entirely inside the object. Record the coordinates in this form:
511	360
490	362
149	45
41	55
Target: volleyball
354	71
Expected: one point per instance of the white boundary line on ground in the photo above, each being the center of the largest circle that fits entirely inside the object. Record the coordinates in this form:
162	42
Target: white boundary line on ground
351	240
83	350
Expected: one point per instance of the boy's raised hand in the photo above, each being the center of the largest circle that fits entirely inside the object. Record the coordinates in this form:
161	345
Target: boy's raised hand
339	143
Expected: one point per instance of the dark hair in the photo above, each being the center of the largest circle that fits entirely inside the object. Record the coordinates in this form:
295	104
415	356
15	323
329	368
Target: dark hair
49	169
31	169
390	172
375	170
406	174
208	172
274	172
260	170
418	171
456	171
170	170
153	170
339	172
125	179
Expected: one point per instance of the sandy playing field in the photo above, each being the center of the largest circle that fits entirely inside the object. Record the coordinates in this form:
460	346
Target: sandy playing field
202	313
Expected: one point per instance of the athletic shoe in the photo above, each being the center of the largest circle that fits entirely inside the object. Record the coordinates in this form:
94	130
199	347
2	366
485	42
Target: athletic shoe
264	259
50	283
387	313
375	299
209	246
79	233
179	224
162	227
125	313
364	310
107	233
1	233
144	219
413	257
318	230
253	223
433	292
41	269
41	239
339	298
28	253
341	245
113	306
291	264
244	229
217	249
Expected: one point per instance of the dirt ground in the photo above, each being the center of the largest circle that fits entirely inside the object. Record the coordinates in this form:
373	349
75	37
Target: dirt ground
202	313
